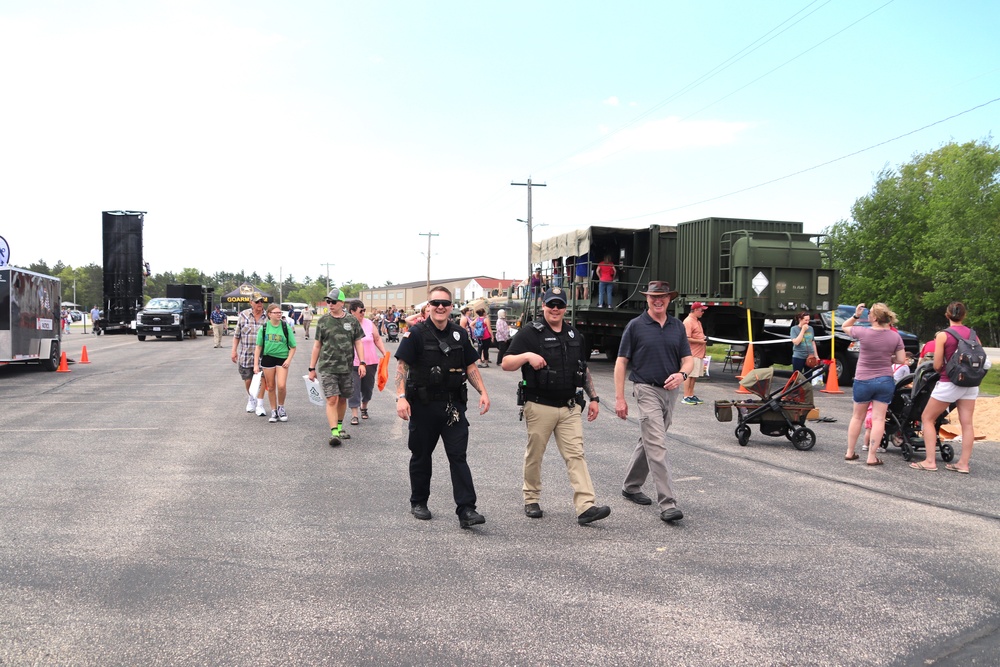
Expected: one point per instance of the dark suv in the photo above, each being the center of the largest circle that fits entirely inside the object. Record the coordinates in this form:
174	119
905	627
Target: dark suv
169	316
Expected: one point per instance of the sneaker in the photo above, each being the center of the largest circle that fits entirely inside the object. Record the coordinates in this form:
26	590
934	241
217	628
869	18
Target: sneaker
251	404
261	410
689	400
697	400
334	441
880	450
864	448
274	417
282	417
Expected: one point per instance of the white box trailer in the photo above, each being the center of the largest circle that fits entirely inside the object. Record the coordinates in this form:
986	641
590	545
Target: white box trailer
29	318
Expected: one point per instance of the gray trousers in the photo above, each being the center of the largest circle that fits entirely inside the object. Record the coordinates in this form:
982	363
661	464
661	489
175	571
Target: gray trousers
656	411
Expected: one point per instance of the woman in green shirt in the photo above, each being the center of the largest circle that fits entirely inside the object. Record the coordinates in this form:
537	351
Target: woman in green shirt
273	355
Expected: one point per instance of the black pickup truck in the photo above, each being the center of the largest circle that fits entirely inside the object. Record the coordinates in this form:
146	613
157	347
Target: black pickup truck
170	316
846	350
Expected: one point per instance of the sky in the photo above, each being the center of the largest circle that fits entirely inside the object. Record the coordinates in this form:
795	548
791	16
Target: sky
282	137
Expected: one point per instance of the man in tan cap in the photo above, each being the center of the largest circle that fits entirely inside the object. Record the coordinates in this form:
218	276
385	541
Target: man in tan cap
655	344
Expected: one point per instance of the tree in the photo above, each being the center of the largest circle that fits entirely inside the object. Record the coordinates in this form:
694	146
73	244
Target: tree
926	236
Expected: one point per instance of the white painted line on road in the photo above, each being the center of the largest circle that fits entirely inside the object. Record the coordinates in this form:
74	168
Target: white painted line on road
687	479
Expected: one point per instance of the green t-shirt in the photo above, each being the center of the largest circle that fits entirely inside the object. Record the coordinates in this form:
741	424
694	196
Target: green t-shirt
272	338
336	337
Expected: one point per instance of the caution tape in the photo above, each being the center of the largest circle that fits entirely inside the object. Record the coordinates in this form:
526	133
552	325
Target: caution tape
713	339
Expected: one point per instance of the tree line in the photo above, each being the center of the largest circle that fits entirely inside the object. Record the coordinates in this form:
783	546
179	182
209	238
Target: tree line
88	282
926	235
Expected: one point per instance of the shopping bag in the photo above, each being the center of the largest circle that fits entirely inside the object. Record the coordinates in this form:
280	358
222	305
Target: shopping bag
708	362
255	384
383	372
314	390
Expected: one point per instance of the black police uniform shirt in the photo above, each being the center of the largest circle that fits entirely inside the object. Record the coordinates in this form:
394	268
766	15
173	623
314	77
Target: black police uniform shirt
411	346
529	339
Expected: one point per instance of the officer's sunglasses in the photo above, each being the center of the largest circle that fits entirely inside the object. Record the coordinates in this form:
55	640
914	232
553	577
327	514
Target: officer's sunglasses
556	305
439	303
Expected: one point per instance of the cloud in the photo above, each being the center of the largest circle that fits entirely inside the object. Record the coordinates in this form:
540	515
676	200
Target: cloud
663	135
611	101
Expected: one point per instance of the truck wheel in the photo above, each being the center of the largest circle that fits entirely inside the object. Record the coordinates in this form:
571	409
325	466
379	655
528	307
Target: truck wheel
52	362
845	371
142	337
180	335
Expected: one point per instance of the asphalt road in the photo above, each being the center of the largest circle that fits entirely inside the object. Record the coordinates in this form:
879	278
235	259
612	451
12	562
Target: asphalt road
147	519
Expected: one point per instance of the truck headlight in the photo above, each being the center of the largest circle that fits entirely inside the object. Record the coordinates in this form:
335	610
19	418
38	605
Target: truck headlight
177	318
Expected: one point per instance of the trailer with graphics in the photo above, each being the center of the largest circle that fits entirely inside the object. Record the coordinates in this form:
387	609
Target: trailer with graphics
745	271
29	318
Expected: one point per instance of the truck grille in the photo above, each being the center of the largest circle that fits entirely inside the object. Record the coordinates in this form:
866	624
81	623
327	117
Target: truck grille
157	320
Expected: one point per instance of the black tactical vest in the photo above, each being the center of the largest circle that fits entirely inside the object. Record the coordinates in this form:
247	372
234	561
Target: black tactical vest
563	353
439	373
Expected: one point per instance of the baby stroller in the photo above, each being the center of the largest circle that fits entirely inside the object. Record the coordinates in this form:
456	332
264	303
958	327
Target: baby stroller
902	418
392	332
781	413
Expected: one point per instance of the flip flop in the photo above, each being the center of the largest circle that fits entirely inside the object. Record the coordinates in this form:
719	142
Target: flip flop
354	421
955	468
877	462
919	465
852	458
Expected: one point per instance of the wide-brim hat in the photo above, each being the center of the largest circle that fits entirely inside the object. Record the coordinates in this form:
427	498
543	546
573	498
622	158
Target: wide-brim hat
660	288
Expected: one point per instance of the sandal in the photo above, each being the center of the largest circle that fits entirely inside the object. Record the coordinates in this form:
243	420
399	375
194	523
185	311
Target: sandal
354	421
852	458
955	468
876	462
919	465
364	413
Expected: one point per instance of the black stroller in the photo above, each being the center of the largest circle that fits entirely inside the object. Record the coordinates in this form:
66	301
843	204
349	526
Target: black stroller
392	332
781	413
902	418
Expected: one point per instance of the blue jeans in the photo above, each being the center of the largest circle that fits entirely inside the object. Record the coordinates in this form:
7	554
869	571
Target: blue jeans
604	294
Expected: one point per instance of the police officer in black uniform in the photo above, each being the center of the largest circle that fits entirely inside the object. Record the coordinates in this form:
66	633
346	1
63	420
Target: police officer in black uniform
552	357
436	358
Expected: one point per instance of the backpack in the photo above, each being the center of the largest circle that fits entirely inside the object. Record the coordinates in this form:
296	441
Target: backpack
479	329
967	366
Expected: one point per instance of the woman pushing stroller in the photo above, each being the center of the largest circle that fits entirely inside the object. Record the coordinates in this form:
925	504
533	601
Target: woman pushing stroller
881	346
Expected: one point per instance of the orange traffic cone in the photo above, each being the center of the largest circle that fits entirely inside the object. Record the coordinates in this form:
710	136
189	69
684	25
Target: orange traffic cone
832	383
63	367
747	367
84	359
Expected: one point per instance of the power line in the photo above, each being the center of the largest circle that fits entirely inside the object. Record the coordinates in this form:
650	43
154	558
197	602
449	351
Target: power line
803	171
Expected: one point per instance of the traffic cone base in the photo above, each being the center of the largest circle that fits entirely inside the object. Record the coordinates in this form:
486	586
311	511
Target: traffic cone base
747	367
832	383
63	366
84	359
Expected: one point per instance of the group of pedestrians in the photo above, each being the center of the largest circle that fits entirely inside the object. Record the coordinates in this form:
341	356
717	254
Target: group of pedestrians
437	360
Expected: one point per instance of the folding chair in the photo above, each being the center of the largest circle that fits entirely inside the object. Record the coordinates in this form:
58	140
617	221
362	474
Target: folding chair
734	357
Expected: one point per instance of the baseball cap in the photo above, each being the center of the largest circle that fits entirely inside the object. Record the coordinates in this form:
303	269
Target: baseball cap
554	294
335	295
256	296
698	305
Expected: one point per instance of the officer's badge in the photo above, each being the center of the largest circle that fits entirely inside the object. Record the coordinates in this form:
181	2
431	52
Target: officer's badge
572	334
456	335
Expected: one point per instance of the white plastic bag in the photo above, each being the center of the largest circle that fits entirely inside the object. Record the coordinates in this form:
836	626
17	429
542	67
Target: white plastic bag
255	384
707	363
314	390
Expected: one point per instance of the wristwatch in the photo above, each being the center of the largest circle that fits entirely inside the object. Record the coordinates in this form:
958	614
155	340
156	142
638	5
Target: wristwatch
684	375
595	399
362	362
401	396
311	369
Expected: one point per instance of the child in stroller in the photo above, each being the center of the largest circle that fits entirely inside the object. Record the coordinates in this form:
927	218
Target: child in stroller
902	418
392	332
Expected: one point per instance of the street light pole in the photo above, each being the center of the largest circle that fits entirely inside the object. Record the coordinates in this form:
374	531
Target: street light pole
428	235
327	276
528	221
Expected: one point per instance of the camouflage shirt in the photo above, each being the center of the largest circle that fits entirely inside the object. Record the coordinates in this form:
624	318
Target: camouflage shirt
336	337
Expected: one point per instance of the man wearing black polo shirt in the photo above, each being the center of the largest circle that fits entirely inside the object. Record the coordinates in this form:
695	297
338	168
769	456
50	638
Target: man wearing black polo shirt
656	346
551	355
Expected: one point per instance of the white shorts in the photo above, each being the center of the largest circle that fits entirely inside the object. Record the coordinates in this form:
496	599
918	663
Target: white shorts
949	392
699	368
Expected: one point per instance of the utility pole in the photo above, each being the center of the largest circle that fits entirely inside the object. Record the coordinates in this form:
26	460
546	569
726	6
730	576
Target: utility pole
327	276
428	235
528	221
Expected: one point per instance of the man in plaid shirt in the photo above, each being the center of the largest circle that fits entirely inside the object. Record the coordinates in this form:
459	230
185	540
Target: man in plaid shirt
244	341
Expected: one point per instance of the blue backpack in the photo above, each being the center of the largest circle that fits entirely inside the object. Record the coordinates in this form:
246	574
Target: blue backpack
479	329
